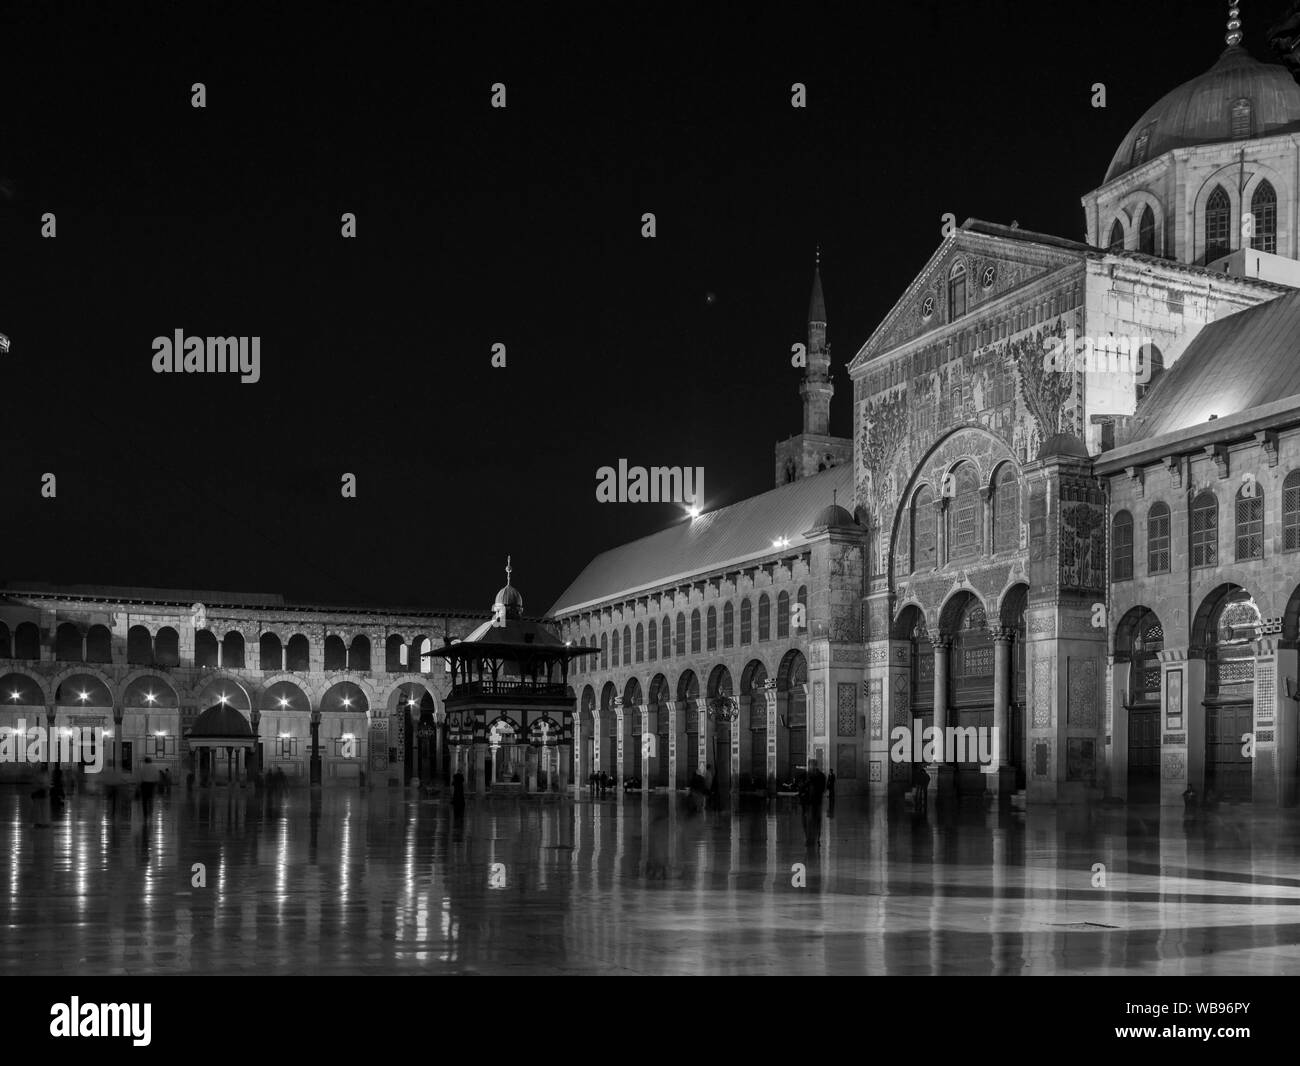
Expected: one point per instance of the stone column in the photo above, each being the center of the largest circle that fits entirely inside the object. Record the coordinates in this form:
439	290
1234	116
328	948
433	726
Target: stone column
618	745
946	771
645	762
676	741
769	708
579	781
1003	782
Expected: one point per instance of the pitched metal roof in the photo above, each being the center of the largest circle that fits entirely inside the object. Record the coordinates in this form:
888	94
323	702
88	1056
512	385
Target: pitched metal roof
1239	362
742	532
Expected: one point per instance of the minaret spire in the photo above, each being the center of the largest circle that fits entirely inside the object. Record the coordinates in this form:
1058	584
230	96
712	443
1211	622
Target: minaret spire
1234	24
508	570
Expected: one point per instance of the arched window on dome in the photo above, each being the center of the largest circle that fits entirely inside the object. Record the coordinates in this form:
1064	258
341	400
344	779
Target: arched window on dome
1147	232
1241	119
1141	145
1218	224
1263	207
1116	242
957	292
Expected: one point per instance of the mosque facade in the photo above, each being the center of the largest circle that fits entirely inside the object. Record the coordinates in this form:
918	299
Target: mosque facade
1029	418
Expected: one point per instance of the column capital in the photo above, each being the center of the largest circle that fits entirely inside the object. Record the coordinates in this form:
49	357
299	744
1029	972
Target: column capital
940	642
1002	634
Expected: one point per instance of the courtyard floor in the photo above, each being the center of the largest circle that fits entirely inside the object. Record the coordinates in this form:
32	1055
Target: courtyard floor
385	882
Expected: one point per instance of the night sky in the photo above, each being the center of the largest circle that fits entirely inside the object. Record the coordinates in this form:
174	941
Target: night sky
476	226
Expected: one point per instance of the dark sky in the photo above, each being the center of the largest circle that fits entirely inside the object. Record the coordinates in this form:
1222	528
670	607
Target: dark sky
476	226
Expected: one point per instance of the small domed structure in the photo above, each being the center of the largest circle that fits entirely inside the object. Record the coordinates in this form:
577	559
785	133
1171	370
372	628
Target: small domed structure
220	722
833	515
509	601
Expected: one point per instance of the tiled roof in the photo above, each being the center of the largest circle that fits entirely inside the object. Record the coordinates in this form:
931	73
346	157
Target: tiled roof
716	539
1239	362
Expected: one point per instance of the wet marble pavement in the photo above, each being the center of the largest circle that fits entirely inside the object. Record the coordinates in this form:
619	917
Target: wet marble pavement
384	882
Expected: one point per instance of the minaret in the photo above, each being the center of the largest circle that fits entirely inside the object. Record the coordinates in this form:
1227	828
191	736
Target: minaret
817	387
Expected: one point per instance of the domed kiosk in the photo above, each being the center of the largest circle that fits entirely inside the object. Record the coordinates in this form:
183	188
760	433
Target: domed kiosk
222	729
510	712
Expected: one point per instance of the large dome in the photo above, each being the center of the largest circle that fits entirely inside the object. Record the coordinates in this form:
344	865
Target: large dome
1201	111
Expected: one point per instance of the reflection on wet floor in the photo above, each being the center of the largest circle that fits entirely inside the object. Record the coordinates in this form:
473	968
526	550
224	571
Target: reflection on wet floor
344	882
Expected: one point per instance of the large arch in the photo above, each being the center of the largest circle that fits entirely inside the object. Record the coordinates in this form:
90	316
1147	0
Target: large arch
660	719
1224	631
792	716
752	725
585	756
609	727
633	705
1139	638
693	722
32	689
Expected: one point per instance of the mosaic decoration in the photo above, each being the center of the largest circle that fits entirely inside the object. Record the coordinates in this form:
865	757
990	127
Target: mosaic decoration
876	701
1174	738
1042	625
1042	694
1042	758
1265	691
1081	708
1174	699
819	708
1174	767
875	771
1264	736
847	707
902	700
1083	543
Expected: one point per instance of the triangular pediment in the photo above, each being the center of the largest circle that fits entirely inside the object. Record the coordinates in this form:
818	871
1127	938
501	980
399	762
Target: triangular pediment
998	261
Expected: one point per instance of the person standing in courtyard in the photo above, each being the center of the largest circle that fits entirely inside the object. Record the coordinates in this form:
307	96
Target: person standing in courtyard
458	794
921	783
148	782
830	794
41	799
816	791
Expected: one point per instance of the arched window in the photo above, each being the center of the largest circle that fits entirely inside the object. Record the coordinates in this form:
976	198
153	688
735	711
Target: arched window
1218	225
270	652
679	644
336	653
923	530
1147	231
665	638
1250	521
1006	511
205	649
139	646
614	649
711	629
652	639
695	631
1291	512
232	650
1158	539
27	641
297	654
1141	145
627	645
167	647
783	615
764	617
604	651
728	625
1116	242
1150	365
801	620
1205	530
99	645
1121	547
746	622
964	513
1241	118
957	292
1263	206
640	642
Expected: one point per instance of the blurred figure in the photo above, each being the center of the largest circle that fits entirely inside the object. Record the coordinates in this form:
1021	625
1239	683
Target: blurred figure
41	799
830	794
816	789
458	794
58	799
148	782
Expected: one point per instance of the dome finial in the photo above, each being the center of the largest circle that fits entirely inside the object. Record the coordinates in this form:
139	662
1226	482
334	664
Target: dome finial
1234	24
508	570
